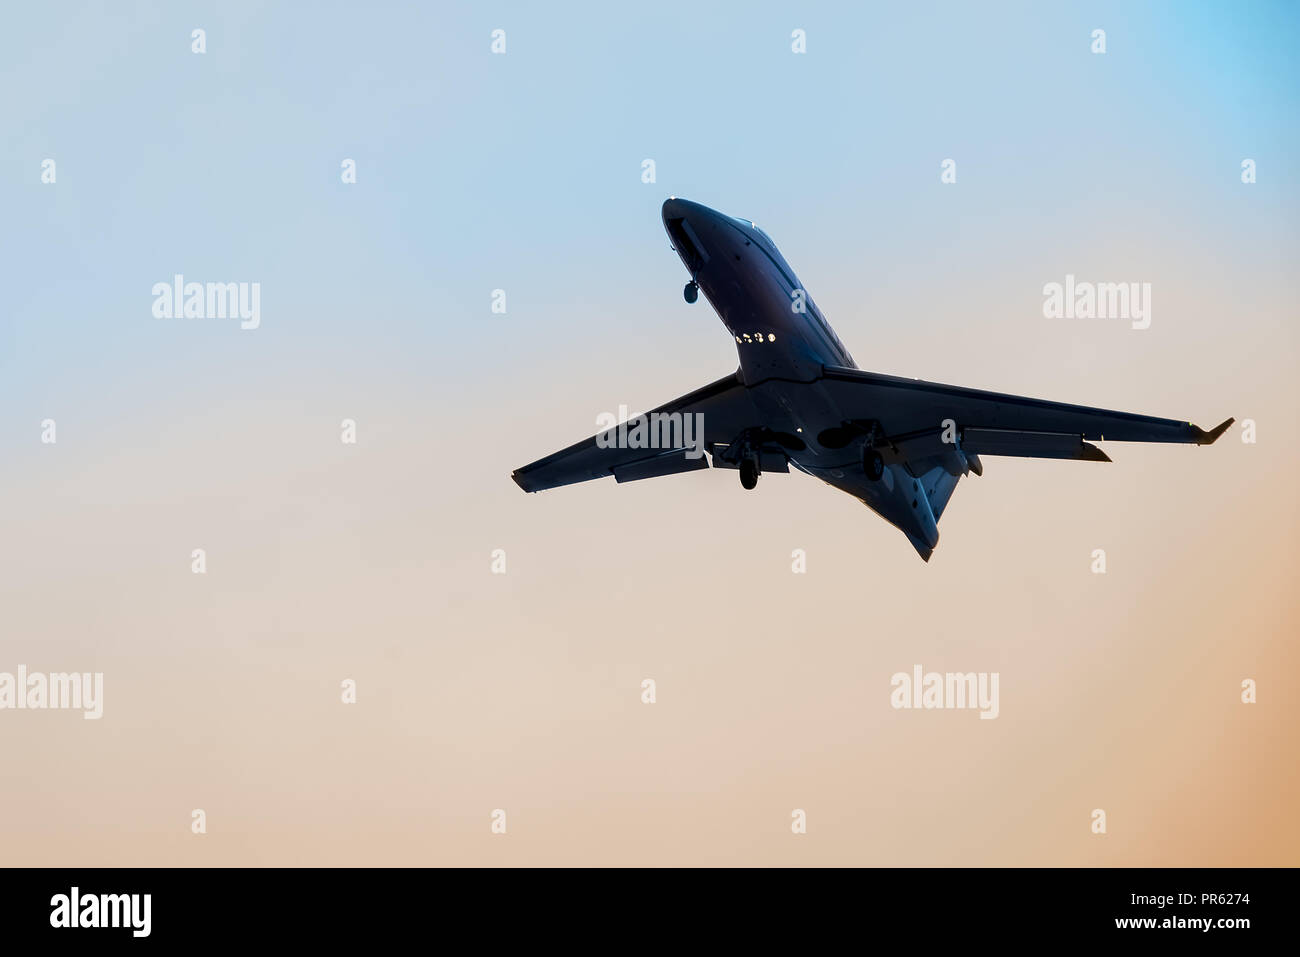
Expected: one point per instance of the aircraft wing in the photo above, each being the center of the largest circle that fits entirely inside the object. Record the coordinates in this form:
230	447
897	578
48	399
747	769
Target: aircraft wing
726	410
911	414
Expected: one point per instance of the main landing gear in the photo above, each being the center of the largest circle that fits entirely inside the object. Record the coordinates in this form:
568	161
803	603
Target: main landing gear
872	463
692	292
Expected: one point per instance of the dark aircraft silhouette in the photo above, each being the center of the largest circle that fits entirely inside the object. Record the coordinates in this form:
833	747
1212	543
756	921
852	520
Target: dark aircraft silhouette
898	445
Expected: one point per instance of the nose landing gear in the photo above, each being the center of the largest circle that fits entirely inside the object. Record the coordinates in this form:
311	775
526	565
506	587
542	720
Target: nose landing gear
692	291
748	473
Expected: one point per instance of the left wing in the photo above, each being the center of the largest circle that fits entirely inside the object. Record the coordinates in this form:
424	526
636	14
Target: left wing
726	411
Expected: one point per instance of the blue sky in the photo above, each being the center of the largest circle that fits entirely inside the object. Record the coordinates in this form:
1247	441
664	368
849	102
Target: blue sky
522	172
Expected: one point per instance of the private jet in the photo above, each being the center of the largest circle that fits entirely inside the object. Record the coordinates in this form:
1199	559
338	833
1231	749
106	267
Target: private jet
898	445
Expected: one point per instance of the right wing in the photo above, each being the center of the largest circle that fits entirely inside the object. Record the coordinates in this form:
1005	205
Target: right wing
726	410
912	413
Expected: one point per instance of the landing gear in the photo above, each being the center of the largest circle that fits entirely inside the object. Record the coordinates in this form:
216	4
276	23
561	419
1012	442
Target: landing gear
692	292
872	464
748	473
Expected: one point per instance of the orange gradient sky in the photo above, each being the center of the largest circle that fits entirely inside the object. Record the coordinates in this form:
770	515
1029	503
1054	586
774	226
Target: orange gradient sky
522	691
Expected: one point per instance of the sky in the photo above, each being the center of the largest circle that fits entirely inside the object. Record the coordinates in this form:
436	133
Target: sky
524	171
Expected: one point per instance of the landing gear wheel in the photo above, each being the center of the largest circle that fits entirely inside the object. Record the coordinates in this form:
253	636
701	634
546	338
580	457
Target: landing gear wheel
748	473
873	464
692	291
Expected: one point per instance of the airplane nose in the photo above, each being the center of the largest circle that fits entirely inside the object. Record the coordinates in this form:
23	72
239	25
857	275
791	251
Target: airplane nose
696	216
677	208
686	238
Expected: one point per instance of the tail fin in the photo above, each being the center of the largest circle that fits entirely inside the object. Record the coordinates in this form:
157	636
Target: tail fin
922	549
939	483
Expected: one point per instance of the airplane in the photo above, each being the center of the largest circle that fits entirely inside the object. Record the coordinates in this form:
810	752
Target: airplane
798	399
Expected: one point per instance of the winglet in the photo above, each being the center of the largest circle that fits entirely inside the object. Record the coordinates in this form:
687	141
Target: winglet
1207	438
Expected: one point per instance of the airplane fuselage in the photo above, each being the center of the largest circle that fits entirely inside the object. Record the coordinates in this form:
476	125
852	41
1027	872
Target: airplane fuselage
784	343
